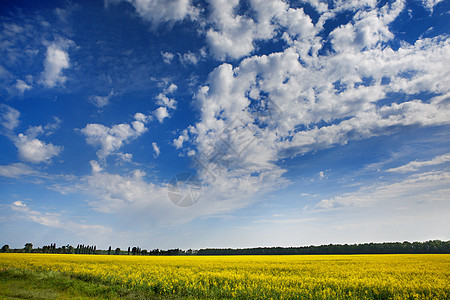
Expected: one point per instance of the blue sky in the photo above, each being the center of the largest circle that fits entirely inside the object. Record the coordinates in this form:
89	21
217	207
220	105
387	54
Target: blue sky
304	122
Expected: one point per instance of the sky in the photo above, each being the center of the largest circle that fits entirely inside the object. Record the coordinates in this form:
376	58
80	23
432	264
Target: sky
214	123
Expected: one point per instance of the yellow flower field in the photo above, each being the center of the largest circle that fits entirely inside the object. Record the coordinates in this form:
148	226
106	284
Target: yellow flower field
257	277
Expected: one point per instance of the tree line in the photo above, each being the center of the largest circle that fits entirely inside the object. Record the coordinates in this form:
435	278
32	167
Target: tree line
92	249
434	246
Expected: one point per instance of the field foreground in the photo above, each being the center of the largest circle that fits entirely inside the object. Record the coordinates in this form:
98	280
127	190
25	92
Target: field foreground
245	277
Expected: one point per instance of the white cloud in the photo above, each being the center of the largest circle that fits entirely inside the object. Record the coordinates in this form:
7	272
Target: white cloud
429	187
293	102
132	198
95	166
171	88
46	219
115	192
22	86
50	128
55	220
18	203
178	142
189	58
34	150
111	139
101	101
167	57
416	165
430	4
16	170
161	113
355	5
9	117
234	36
369	28
124	158
163	100
160	11
30	148
56	60
192	58
142	118
322	175
156	150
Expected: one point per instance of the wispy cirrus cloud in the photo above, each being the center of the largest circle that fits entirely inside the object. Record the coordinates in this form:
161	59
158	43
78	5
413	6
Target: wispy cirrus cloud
56	220
416	165
16	170
9	117
411	192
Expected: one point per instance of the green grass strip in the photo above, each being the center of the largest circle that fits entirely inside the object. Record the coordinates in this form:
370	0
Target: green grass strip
26	284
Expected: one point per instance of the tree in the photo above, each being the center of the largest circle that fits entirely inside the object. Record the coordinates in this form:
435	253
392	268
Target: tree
5	249
117	252
128	250
109	250
28	247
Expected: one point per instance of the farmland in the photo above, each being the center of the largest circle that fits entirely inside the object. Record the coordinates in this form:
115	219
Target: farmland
252	277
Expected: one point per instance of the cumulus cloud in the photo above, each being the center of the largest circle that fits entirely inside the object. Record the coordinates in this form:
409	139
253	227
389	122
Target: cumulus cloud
95	166
161	113
111	139
368	29
178	142
296	101
34	150
165	103
163	100
161	11
234	36
9	117
56	60
30	148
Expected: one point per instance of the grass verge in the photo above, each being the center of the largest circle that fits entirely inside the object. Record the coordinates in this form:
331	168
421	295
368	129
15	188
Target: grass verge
26	284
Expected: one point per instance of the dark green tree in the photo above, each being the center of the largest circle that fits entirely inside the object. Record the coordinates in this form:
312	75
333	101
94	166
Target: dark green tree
109	250
5	249
28	247
117	252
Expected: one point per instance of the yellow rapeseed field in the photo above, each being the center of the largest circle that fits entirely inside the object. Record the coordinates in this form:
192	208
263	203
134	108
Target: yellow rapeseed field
257	277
